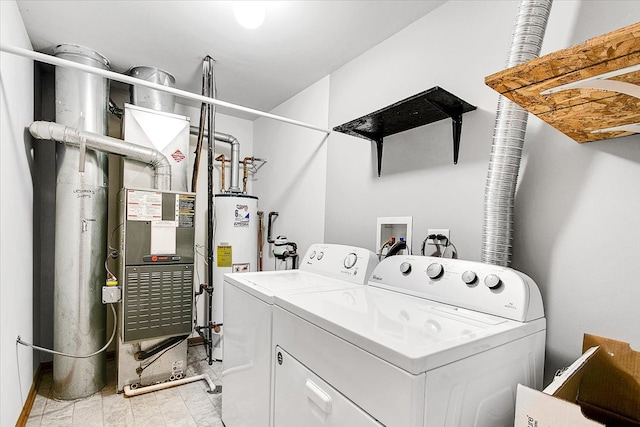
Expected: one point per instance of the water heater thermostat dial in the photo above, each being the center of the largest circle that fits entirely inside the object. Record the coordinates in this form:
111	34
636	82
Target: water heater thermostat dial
435	270
492	281
350	260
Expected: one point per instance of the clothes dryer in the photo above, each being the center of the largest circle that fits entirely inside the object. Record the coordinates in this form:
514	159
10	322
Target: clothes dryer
428	342
247	304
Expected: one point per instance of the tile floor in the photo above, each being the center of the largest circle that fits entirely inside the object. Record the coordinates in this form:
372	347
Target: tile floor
185	405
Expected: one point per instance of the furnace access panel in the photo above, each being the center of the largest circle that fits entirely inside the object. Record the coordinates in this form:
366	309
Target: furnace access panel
156	263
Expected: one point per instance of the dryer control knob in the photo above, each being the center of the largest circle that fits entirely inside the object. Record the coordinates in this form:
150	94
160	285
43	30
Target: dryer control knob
350	260
320	256
469	277
405	268
435	270
492	281
312	255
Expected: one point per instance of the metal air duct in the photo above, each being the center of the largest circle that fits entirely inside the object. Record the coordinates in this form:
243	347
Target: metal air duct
94	141
151	98
508	139
81	229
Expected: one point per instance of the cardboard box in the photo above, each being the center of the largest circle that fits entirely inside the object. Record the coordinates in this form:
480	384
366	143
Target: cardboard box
601	388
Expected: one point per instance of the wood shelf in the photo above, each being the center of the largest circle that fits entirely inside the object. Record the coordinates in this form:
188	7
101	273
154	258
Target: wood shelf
582	90
426	107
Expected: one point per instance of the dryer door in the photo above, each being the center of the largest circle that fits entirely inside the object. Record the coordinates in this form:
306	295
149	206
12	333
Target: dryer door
304	399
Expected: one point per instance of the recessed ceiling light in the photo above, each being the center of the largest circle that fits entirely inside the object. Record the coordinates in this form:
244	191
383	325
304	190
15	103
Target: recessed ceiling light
249	14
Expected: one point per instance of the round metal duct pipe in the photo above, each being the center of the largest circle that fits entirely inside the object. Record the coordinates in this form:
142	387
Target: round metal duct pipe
151	98
508	139
81	229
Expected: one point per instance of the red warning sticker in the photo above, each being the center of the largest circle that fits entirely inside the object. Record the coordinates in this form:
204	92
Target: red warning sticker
178	156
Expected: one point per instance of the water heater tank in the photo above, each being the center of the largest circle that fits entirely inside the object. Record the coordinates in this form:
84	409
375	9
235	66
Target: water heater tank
235	246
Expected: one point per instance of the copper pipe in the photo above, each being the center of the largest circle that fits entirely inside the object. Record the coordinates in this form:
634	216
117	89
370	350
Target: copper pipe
223	159
245	164
245	176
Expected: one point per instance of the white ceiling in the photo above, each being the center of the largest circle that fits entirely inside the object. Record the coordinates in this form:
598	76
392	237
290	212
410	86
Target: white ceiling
299	43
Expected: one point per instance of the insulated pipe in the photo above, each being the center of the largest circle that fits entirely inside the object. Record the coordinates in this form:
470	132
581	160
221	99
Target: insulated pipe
508	139
130	392
78	138
48	59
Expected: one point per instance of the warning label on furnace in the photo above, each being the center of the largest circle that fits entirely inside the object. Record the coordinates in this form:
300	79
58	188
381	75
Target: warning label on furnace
144	205
224	256
186	211
241	218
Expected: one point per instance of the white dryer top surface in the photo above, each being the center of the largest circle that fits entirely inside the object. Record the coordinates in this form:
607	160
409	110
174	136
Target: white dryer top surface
412	333
267	284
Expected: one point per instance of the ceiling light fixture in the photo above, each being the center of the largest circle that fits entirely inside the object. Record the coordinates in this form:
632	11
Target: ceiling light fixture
249	14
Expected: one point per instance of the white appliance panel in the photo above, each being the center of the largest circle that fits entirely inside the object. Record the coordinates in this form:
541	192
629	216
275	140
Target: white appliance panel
304	399
492	289
412	333
247	304
426	343
265	284
392	396
487	381
246	395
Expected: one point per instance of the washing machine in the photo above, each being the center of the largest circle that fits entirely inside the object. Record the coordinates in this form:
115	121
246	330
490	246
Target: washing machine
248	307
428	342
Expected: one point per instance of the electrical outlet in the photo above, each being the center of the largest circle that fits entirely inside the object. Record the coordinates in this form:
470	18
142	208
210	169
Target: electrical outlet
438	231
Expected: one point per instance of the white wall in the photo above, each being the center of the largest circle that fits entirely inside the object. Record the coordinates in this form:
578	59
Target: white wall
569	194
292	182
16	218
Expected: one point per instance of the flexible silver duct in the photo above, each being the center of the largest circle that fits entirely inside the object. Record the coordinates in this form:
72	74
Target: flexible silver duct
106	144
235	155
508	139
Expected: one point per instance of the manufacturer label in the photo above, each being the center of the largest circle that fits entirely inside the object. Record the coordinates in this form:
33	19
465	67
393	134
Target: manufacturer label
241	216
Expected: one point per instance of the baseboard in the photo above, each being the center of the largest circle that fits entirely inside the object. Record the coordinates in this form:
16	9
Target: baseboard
33	392
48	366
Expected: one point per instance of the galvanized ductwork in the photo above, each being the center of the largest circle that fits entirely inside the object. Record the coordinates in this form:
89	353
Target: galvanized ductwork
106	144
508	139
151	98
81	229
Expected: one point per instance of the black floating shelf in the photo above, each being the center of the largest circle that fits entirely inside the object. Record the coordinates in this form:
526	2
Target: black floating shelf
426	107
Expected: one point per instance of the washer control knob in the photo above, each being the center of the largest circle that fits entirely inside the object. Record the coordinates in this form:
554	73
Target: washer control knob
435	270
492	281
312	255
405	268
469	277
320	256
350	260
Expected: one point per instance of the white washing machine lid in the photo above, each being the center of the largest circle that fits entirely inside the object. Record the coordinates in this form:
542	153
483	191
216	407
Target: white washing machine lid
267	284
412	333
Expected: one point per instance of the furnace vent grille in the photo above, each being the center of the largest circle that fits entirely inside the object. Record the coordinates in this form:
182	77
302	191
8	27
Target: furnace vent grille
158	302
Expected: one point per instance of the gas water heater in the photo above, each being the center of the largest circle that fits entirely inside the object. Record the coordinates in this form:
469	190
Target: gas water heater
236	247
